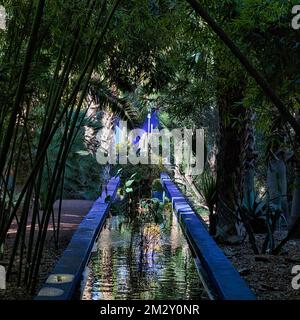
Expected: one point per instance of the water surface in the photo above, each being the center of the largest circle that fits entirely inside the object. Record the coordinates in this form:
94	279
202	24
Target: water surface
152	261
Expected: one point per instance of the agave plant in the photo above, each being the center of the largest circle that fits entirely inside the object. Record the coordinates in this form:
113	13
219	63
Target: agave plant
208	190
253	209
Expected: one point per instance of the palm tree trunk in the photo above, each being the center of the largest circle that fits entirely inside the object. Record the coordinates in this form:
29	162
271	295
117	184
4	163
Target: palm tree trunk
248	157
229	165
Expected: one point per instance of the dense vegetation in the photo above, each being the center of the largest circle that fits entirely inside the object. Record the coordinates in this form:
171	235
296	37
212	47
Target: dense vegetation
231	67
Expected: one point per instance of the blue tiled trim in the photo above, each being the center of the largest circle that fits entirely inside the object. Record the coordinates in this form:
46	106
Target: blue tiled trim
68	270
223	276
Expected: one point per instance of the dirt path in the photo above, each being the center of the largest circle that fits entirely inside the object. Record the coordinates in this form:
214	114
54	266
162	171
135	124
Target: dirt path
73	211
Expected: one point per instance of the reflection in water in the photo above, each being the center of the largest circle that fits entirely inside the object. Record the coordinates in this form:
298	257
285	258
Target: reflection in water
148	262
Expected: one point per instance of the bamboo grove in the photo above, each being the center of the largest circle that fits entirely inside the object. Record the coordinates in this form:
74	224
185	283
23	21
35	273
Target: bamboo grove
63	98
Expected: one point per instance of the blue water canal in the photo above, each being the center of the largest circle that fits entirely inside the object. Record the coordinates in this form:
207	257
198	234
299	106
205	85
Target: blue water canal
152	261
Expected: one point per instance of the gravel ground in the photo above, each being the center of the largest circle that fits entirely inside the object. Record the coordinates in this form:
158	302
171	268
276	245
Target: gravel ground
268	276
13	292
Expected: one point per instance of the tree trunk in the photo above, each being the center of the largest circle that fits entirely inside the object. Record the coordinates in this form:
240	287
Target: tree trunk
277	184
295	212
248	158
229	166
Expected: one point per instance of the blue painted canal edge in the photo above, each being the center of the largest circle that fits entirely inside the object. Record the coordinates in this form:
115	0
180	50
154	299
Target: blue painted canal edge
224	278
66	276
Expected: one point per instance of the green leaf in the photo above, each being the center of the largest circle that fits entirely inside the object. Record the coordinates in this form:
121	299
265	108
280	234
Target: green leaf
83	153
129	183
132	176
118	172
107	199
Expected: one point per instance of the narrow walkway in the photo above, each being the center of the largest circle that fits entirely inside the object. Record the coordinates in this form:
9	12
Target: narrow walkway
72	213
64	280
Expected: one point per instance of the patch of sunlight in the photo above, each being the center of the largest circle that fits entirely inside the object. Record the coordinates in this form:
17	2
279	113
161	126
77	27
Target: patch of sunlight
60	278
50	292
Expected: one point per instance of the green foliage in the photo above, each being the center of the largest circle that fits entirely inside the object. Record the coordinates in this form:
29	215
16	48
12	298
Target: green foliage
151	211
208	189
82	172
254	206
157	186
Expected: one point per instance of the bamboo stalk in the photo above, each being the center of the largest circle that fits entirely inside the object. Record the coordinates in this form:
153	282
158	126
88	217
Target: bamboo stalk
22	83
